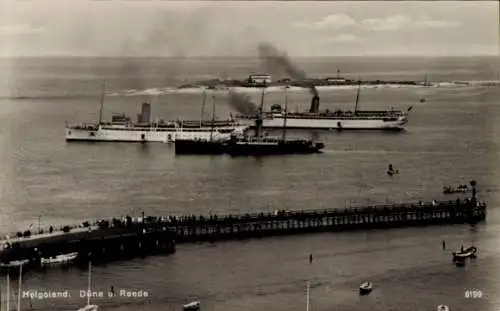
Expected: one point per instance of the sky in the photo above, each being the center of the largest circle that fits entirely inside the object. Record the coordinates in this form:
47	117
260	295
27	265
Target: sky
191	28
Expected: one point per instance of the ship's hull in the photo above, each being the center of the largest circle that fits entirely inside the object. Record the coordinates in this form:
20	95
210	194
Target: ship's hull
189	146
124	135
330	124
280	148
245	148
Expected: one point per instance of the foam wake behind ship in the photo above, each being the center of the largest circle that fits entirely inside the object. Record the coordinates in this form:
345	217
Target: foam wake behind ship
332	120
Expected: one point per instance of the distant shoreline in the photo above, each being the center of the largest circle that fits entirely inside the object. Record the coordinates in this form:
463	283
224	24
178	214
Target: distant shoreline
253	57
316	82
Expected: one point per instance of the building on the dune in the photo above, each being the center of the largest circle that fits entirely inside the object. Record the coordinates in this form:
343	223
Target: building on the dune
259	79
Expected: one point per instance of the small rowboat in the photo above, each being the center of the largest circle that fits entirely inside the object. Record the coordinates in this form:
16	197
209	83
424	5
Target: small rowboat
365	288
459	189
59	259
89	308
195	305
14	263
442	308
470	252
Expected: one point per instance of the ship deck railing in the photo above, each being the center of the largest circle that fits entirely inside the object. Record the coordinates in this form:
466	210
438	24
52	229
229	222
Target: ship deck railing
120	124
169	128
328	116
273	139
83	126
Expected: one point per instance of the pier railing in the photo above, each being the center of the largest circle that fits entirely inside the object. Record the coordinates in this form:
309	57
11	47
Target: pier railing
201	228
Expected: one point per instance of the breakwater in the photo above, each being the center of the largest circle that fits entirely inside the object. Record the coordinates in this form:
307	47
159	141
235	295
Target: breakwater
122	239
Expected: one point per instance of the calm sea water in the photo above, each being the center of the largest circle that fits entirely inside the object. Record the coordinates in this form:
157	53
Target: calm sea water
452	138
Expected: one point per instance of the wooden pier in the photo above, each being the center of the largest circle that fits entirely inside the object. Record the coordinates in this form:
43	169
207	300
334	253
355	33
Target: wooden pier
102	243
213	228
122	239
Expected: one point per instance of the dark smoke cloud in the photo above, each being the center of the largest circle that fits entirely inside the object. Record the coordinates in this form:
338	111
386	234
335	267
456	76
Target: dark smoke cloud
242	103
275	60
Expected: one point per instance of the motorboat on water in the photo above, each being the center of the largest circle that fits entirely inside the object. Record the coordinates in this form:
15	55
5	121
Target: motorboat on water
456	189
14	263
13	266
365	288
59	259
470	252
195	305
442	308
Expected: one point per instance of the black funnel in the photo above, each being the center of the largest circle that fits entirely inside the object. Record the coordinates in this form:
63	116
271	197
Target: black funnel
314	104
258	126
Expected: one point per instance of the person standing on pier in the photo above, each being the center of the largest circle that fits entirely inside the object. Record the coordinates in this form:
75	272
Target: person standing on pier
310	258
444	245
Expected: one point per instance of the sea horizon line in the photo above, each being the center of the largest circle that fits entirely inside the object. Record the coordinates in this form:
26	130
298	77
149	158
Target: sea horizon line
248	56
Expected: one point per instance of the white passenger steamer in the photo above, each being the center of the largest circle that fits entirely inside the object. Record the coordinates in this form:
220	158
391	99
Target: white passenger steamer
332	120
122	129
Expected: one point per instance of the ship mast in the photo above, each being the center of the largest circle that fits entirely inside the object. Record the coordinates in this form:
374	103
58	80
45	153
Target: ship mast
357	99
20	287
89	283
286	113
102	102
308	304
7	304
202	115
258	122
261	102
213	119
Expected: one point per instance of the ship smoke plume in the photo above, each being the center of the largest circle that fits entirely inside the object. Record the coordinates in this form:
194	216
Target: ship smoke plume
242	103
275	60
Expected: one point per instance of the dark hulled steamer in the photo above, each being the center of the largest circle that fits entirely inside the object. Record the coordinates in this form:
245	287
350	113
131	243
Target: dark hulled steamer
260	145
194	146
241	144
265	145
